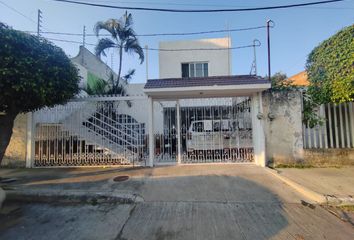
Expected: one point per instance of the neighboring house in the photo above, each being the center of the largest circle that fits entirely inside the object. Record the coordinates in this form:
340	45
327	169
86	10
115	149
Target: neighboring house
91	68
300	79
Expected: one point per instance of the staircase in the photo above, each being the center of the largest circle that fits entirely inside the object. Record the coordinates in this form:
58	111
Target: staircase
99	128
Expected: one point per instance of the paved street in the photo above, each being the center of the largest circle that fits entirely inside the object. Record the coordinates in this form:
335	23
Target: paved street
186	202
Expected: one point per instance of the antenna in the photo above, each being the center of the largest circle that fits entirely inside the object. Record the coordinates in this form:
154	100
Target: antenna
256	43
84	36
39	22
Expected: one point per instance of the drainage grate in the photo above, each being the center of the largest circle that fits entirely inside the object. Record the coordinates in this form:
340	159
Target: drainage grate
121	178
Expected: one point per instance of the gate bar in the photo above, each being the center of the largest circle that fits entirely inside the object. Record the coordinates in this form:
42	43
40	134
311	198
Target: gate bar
179	155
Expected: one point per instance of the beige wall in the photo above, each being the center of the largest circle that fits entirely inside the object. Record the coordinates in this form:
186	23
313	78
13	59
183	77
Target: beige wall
15	155
284	143
219	61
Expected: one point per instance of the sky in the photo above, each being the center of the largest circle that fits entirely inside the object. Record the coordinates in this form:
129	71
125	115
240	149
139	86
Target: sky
297	31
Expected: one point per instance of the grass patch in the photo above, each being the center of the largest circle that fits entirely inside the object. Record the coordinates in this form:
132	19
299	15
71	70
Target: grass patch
346	208
295	165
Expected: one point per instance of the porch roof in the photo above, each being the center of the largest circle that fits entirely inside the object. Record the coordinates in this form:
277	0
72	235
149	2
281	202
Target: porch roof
218	86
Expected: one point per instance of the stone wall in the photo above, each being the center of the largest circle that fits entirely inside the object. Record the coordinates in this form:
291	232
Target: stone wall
284	139
283	126
329	157
15	155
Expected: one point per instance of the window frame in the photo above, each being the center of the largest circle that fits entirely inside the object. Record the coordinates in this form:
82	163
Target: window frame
192	68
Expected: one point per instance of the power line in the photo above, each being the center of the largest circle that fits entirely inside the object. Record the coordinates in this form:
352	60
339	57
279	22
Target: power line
204	4
258	44
161	34
199	10
23	15
15	10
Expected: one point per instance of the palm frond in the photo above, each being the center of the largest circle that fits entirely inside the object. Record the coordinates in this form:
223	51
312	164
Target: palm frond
102	45
100	87
127	77
110	26
132	46
127	19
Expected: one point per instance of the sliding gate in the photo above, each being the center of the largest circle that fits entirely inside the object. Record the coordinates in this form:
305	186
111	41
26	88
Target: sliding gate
209	130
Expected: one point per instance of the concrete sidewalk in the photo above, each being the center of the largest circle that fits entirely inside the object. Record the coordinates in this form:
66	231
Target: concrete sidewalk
177	202
333	183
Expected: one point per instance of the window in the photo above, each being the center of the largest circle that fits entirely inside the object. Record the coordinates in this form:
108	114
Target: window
198	69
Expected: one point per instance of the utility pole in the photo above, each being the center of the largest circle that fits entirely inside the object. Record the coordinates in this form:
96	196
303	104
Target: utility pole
268	44
39	22
147	62
228	48
84	36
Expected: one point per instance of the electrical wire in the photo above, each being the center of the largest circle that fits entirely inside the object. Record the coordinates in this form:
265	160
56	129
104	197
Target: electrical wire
160	3
23	15
167	49
159	34
199	10
15	10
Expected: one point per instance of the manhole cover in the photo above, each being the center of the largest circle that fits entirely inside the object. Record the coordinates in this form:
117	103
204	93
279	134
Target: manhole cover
121	178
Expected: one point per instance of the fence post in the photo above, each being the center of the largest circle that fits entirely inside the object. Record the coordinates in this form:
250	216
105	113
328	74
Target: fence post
179	148
341	122
30	141
351	117
257	130
347	131
151	132
330	125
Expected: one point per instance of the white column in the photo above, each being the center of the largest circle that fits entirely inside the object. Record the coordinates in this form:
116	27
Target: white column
179	145
257	130
30	141
151	132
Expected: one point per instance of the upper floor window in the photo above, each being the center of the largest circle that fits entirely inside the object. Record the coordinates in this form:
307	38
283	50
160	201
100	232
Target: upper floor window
196	69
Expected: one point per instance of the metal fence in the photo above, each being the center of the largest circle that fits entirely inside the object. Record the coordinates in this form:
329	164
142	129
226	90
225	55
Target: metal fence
337	130
89	133
112	131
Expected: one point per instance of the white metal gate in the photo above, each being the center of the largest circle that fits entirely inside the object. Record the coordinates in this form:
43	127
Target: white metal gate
90	133
210	130
112	131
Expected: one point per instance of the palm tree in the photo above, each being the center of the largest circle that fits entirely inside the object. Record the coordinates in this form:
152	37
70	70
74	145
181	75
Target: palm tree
123	38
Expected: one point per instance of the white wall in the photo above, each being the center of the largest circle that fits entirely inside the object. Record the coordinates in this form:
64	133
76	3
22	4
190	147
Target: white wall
82	73
219	60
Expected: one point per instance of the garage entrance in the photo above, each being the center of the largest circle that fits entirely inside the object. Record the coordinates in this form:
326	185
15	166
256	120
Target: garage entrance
211	130
206	120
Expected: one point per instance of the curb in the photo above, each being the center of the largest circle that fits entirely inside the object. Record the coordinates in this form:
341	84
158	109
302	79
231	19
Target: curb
71	196
312	195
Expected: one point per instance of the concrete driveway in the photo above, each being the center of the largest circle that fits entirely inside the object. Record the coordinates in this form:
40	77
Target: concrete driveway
185	202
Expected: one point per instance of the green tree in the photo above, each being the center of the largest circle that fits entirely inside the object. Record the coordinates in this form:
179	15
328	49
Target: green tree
280	81
33	74
123	38
330	68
